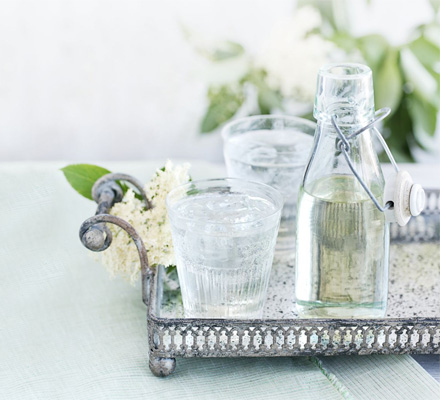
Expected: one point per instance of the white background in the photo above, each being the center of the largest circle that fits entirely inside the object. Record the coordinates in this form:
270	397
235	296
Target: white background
116	80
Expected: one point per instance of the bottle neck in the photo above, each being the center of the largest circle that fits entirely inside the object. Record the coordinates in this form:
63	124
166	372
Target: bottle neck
325	126
327	158
348	118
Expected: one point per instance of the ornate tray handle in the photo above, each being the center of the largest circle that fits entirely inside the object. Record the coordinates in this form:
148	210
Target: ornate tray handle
95	234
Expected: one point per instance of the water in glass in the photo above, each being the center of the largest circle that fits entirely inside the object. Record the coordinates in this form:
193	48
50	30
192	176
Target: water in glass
274	157
224	243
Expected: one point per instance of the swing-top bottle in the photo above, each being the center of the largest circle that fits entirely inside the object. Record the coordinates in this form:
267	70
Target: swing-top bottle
342	248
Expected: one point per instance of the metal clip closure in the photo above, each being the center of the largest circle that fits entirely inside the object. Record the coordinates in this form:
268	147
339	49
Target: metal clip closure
403	198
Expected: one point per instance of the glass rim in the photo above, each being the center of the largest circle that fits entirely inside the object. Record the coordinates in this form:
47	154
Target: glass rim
364	71
278	197
227	127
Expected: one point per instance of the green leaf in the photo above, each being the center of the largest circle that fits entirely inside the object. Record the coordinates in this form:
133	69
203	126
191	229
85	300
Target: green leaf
213	50
344	41
225	101
225	50
269	99
432	33
334	13
387	76
427	53
193	190
399	134
83	176
388	85
435	4
419	78
424	121
125	187
373	48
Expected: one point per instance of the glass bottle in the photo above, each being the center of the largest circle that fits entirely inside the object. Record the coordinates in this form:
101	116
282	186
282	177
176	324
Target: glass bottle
342	248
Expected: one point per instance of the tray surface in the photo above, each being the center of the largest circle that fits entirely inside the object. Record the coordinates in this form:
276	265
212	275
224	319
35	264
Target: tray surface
414	274
414	285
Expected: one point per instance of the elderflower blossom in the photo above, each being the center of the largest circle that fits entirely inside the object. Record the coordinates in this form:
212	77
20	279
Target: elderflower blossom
292	56
122	258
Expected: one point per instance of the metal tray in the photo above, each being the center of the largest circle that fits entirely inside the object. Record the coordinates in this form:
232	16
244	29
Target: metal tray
412	323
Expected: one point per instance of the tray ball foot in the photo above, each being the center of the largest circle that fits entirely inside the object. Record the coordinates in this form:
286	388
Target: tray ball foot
161	366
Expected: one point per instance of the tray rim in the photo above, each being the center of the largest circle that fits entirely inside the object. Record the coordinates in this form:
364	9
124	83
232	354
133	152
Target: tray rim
163	360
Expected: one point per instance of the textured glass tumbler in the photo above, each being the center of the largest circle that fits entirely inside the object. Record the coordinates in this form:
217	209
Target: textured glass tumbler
224	233
273	150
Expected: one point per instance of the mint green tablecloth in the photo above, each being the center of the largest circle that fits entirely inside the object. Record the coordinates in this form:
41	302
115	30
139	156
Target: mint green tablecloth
68	332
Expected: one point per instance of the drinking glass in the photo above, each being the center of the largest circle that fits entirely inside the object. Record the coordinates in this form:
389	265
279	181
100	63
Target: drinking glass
273	150
224	233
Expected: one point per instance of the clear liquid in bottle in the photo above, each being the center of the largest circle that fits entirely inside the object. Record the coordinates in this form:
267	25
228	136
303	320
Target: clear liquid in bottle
342	251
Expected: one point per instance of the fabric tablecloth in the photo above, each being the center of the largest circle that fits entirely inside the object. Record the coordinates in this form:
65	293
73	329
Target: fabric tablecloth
67	331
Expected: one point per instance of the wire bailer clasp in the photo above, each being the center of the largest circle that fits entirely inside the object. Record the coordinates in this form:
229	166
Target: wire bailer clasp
403	198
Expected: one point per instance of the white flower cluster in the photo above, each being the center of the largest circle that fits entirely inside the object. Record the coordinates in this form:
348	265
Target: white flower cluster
292	57
121	258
